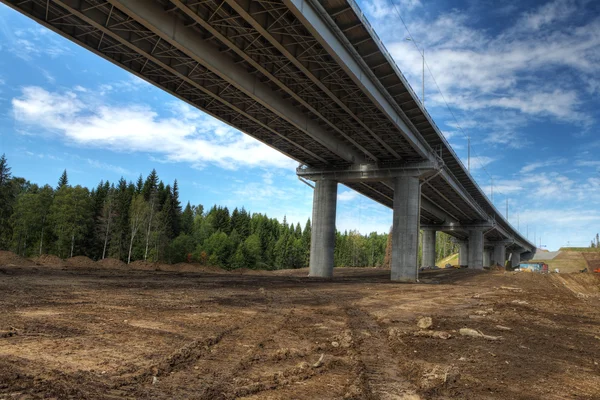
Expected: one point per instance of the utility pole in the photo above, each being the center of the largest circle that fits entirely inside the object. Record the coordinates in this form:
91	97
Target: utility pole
469	153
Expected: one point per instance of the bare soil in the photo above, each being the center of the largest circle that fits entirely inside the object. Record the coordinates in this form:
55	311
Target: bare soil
90	333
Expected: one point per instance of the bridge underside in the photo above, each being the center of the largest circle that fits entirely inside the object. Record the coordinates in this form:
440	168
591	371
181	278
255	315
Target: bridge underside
306	77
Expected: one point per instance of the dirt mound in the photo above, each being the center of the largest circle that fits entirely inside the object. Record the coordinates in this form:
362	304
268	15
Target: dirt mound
10	259
593	260
111	263
49	260
80	262
582	285
143	265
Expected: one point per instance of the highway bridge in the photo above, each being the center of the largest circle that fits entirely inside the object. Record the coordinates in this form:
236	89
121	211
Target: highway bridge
311	79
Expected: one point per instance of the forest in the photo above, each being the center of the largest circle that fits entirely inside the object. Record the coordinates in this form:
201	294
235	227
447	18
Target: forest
145	220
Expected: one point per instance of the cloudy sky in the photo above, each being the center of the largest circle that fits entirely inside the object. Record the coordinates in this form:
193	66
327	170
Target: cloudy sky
522	79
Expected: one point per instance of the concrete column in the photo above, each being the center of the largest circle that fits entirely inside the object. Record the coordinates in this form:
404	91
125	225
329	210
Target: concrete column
486	258
476	248
463	253
428	248
515	259
499	255
322	241
405	231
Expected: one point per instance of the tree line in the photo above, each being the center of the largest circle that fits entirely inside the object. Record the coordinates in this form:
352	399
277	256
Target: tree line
145	220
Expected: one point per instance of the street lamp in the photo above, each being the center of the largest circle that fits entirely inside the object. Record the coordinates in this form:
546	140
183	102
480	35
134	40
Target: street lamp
422	51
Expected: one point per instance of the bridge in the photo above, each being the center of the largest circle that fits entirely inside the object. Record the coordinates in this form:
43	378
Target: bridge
311	79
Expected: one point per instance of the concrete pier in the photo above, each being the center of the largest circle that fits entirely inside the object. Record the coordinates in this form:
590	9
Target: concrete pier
405	231
476	248
486	258
499	255
428	248
463	253
322	242
515	259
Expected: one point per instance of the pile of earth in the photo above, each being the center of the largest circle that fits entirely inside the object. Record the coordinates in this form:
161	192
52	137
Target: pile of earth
10	259
49	260
111	263
80	262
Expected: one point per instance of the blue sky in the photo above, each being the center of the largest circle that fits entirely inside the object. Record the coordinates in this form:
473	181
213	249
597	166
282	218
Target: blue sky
522	78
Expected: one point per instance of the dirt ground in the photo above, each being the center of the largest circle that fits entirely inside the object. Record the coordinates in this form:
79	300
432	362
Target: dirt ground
91	333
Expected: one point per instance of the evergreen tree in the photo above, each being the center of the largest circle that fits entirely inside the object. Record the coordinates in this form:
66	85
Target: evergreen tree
63	180
139	185
187	220
7	198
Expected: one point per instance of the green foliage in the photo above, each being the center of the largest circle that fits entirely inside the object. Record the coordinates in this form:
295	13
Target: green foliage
145	220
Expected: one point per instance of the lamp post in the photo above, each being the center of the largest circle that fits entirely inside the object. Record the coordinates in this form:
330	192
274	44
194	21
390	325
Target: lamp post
422	51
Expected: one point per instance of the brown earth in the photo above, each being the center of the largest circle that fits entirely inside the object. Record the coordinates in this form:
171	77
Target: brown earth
9	258
49	260
111	263
80	261
112	334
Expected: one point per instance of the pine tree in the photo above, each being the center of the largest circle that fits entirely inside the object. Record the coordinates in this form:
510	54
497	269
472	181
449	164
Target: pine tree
139	185
187	220
63	180
7	198
176	209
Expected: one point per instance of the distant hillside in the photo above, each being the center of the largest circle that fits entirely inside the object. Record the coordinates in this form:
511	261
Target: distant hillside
581	249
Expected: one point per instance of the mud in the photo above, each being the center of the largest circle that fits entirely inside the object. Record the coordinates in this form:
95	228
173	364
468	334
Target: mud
111	334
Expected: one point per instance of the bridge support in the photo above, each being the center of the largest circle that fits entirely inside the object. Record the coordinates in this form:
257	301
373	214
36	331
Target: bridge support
486	258
463	253
405	231
499	254
428	248
476	248
515	259
322	241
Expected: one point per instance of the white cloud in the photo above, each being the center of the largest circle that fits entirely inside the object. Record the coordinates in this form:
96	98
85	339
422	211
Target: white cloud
34	42
541	164
479	162
189	136
109	167
348	195
551	12
541	67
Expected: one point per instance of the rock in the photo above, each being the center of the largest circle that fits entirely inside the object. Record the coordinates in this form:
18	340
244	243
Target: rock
503	328
473	333
154	380
335	344
320	362
434	334
425	323
303	365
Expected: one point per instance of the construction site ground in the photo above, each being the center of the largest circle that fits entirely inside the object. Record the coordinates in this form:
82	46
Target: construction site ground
107	332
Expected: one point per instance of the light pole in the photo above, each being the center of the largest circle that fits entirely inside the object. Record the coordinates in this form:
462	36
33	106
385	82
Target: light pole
422	51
